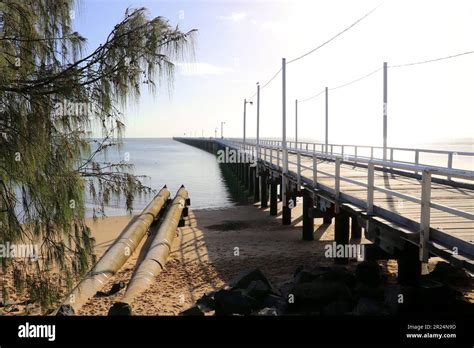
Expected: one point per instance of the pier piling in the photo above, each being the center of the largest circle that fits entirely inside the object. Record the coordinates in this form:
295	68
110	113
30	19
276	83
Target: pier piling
286	213
251	179
256	192
356	229
308	221
409	265
327	220
264	191
273	197
341	234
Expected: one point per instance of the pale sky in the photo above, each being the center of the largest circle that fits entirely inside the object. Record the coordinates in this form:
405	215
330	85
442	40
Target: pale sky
240	43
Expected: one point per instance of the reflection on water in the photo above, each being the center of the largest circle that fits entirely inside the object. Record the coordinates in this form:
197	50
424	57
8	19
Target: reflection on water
169	162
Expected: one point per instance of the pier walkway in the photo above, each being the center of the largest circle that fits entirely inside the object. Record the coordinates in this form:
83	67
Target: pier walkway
410	211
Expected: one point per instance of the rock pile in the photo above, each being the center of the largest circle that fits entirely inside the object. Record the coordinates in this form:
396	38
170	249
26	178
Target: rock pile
323	290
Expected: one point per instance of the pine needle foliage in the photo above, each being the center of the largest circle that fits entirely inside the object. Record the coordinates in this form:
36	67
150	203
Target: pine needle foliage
52	95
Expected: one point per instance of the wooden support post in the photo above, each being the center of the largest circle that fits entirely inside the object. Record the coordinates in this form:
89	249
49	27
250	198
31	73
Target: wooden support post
280	196
327	220
373	252
246	175
341	234
273	197
256	192
263	191
356	229
409	265
308	221
385	111
251	179
425	215
286	210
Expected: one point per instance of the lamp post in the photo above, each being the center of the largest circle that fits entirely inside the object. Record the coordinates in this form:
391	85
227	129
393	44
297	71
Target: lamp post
245	118
385	111
257	147
222	130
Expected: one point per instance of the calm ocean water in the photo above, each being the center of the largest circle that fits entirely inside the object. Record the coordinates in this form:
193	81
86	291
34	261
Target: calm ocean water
165	161
168	162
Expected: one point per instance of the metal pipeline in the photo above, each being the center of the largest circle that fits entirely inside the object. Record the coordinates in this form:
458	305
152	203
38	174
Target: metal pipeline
115	257
154	261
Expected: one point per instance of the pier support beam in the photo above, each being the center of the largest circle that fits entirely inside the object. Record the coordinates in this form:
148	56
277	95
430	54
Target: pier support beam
246	175
327	220
273	197
409	265
341	234
263	191
280	196
308	221
251	179
286	211
356	229
256	189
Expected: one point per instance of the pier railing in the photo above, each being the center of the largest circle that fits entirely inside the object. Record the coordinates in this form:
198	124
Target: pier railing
271	152
394	154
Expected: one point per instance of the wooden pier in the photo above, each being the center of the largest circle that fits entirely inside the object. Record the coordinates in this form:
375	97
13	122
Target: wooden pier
410	212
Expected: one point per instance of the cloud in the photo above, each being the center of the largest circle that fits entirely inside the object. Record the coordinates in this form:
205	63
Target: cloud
201	69
234	17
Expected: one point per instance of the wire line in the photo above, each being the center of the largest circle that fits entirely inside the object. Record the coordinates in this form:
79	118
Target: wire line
431	60
356	80
321	45
335	36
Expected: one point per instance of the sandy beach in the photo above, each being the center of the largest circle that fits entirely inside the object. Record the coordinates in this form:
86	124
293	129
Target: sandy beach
212	248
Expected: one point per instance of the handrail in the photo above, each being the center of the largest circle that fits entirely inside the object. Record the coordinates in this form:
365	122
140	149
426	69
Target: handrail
427	171
331	147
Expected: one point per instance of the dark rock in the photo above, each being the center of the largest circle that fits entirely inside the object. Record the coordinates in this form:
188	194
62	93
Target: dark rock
337	274
369	272
269	311
445	273
65	311
193	311
310	297
257	289
120	308
304	275
368	306
394	298
243	279
274	301
207	303
235	301
367	290
432	295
